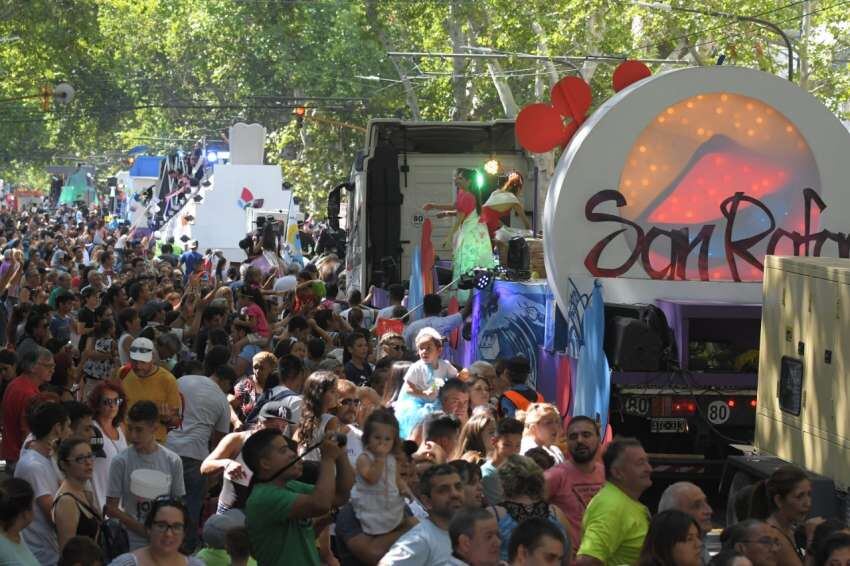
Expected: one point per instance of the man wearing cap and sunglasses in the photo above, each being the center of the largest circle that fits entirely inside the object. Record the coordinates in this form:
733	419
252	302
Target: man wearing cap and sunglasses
147	381
226	457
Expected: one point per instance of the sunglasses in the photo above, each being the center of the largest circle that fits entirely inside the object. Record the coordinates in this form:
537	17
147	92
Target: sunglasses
116	402
137	350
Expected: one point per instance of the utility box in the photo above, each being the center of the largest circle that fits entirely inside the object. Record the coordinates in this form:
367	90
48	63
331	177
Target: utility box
804	365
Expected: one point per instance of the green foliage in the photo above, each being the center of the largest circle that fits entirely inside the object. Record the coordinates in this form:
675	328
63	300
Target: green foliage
182	70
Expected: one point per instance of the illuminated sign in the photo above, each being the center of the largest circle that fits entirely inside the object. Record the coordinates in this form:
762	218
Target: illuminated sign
680	184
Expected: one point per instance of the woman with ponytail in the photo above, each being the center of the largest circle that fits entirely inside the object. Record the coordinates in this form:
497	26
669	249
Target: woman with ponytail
783	501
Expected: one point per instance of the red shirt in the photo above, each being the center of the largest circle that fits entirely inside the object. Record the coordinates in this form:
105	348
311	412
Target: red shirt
15	429
571	490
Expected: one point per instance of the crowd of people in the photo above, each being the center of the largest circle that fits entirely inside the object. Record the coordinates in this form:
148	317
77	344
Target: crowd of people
159	408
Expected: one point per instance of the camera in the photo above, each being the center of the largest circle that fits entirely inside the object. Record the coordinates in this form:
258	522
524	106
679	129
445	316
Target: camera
341	439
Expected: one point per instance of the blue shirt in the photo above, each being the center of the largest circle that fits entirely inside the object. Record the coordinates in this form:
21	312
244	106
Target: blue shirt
60	328
190	259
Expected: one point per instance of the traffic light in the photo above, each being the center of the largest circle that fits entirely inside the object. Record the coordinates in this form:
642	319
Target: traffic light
300	111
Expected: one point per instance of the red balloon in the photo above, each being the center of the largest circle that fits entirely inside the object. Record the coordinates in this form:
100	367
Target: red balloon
539	128
571	96
629	72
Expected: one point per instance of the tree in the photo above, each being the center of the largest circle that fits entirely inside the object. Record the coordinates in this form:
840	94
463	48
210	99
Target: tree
181	70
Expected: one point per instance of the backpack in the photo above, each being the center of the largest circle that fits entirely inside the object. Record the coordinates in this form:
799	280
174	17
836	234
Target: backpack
113	538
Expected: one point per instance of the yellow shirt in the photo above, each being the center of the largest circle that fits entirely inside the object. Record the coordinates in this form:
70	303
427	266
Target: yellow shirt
161	388
613	527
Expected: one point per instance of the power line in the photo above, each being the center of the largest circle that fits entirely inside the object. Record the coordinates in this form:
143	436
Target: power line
677	38
785	21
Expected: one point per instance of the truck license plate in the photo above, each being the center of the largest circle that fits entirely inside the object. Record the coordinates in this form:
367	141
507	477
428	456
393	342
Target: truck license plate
668	425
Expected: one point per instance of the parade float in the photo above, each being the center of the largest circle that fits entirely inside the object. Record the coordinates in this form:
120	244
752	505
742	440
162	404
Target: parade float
666	199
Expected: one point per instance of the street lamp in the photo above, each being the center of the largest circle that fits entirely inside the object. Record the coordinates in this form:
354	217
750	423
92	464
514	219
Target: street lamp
63	93
765	23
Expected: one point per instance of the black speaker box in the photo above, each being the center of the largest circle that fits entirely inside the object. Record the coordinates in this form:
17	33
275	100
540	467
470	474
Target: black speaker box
518	256
631	346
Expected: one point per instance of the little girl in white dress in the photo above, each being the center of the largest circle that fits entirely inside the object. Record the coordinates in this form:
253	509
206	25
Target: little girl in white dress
377	494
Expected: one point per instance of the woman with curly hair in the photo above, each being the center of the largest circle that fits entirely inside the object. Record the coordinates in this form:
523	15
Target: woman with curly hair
524	485
477	438
320	398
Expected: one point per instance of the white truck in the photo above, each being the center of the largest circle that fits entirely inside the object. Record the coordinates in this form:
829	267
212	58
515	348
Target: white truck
405	165
803	399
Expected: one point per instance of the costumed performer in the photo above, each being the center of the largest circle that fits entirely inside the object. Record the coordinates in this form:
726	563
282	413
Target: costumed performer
502	202
472	245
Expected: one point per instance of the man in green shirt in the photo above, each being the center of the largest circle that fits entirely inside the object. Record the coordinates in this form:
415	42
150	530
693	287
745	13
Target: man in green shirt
280	510
615	522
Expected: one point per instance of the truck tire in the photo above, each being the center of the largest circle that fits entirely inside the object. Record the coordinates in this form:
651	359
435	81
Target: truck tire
741	481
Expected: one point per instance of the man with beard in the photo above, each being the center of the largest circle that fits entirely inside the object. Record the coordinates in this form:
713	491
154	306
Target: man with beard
572	484
616	522
346	412
428	543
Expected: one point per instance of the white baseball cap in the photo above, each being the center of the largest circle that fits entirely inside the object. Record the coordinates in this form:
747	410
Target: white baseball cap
141	350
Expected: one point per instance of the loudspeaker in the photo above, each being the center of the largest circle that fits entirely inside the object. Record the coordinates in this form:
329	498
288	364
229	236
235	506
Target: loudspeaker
631	345
518	256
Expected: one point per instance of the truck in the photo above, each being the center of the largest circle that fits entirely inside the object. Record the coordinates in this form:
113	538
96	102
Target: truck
406	164
803	390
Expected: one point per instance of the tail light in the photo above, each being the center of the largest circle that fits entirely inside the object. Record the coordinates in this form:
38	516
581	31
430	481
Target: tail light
731	403
684	407
753	403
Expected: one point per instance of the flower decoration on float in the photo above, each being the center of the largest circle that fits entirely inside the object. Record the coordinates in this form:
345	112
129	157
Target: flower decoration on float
540	127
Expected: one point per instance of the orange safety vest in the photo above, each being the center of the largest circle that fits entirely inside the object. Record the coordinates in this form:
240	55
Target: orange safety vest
520	401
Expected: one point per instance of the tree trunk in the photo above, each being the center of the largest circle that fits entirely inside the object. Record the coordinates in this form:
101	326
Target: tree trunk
595	35
545	162
409	92
460	96
803	50
543	49
503	89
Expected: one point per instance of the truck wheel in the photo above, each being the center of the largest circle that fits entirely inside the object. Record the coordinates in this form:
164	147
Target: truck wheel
741	481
